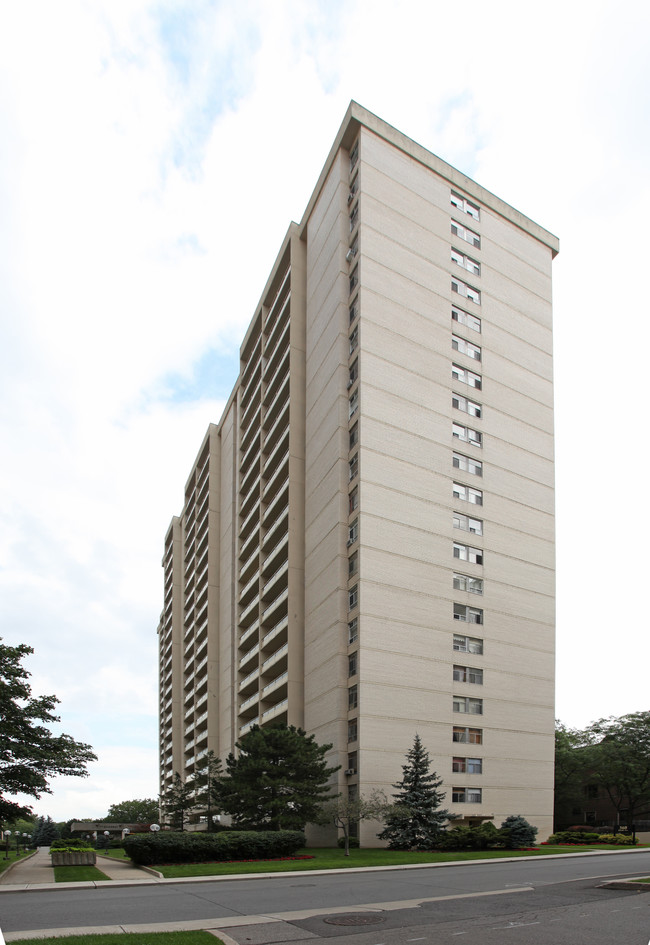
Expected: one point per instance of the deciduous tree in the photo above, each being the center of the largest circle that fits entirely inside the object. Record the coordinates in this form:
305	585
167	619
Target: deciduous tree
278	780
30	754
138	811
345	810
620	761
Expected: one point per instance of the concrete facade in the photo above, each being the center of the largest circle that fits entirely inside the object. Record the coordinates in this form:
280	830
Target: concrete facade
367	543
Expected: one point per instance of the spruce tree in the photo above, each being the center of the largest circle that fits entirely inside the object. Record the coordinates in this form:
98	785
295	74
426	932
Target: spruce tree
206	788
416	822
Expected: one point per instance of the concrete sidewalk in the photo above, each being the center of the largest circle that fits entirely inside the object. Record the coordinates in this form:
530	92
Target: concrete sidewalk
37	870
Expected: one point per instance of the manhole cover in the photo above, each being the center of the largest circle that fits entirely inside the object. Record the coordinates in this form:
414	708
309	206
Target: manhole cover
364	918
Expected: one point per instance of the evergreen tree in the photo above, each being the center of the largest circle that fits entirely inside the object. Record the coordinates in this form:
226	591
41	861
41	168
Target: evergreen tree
178	801
45	831
278	781
416	822
517	832
206	787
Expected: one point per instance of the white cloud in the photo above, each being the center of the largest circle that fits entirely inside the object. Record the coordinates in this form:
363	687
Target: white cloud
158	153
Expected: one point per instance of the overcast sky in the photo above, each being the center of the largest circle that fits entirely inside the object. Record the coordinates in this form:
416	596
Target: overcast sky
152	155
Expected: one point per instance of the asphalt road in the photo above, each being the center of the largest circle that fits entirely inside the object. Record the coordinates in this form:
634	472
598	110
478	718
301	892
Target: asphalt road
549	901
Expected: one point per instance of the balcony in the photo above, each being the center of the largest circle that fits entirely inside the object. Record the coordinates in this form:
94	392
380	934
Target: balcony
247	592
273	612
251	543
270	662
275	710
250	636
276	420
277	557
274	684
247	615
278	579
277	532
275	632
278	504
251	520
249	682
248	726
249	455
249	704
248	657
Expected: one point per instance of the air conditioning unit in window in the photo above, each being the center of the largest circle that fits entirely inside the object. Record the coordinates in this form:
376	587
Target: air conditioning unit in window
350	255
350	541
350	197
350	771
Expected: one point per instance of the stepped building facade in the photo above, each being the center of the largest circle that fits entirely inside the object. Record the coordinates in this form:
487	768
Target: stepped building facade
366	544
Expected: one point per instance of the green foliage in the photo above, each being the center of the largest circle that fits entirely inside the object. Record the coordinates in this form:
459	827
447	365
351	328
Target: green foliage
45	831
71	844
517	832
146	849
206	787
177	802
620	839
29	753
278	781
352	843
138	811
345	810
484	837
416	821
573	836
621	762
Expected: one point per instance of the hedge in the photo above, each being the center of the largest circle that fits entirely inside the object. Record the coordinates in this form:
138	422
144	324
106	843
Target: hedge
146	849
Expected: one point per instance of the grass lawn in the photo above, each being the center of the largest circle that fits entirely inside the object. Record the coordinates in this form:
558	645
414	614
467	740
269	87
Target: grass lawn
12	858
79	874
117	853
130	938
329	859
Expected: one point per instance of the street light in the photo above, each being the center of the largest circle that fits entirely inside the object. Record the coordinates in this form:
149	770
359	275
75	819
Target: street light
107	834
154	828
7	836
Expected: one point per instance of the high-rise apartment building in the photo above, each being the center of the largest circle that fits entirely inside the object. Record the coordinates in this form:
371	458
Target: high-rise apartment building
366	547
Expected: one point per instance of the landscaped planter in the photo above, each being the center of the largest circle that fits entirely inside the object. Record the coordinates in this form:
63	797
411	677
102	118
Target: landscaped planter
79	858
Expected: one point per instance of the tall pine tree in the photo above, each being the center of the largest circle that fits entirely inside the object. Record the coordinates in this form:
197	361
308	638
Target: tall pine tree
416	822
205	788
178	801
278	781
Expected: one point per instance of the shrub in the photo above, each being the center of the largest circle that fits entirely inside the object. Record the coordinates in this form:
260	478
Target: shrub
146	849
572	836
75	844
621	839
353	843
517	832
486	836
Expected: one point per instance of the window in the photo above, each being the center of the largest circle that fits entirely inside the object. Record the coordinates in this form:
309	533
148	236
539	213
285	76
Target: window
468	674
353	697
469	705
353	564
467	494
354	339
354	436
461	795
354	403
463	644
354	217
464	318
353	531
353	373
352	730
352	664
460	287
461	374
461	203
354	466
468	524
468	614
354	187
465	347
352	761
353	630
467	464
353	500
466	262
467	736
467	553
353	597
466	405
352	253
354	310
463	582
463	233
354	156
467	765
354	278
466	434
